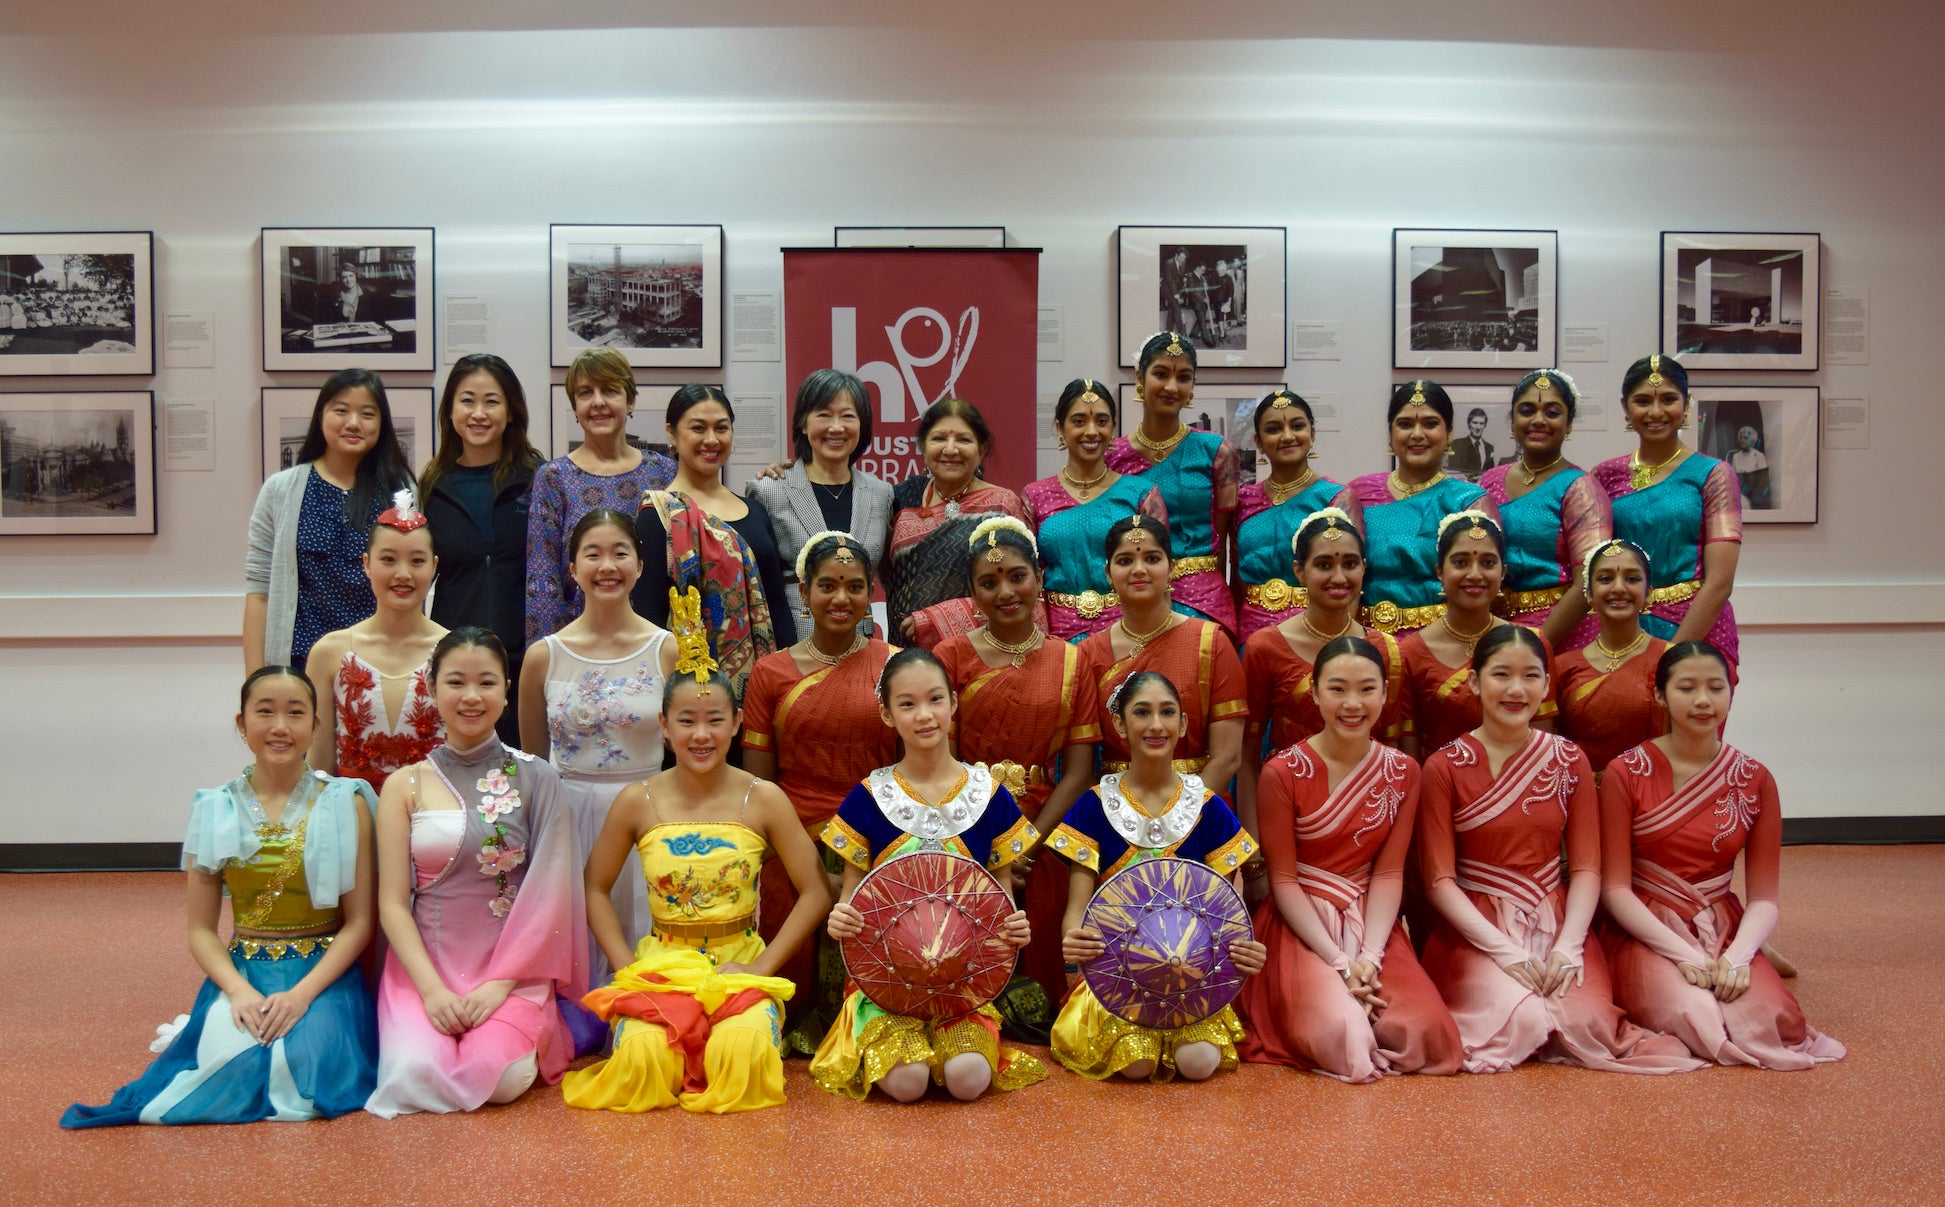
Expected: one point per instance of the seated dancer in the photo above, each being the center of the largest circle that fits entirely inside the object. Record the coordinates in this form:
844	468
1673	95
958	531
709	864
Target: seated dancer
281	1029
480	896
1340	991
696	1006
1148	811
963	808
1509	952
1687	956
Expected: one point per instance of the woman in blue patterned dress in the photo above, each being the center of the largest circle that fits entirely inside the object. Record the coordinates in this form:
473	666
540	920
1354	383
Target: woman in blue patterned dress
1270	512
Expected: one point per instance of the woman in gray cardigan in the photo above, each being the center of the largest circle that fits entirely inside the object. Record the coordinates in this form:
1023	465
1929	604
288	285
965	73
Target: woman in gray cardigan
823	490
303	577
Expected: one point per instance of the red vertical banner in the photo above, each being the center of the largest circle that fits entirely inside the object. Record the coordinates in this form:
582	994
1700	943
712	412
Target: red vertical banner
918	325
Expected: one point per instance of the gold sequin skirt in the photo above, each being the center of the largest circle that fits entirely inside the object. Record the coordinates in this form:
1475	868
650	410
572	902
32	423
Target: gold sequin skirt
852	1057
1096	1044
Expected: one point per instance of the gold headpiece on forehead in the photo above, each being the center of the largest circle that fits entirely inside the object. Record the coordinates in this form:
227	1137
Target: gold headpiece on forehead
990	528
1478	530
993	553
1543	382
843	553
1174	345
1279	401
1089	393
1417	394
1654	369
1474	520
691	638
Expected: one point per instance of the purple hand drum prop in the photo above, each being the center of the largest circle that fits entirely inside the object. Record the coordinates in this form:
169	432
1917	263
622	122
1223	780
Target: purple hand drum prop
931	946
1167	924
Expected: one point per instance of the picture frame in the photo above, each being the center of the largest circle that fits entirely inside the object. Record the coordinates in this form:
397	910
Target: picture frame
1219	407
918	236
1474	299
647	427
79	463
1764	300
77	304
1185	279
349	297
655	293
285	417
1770	436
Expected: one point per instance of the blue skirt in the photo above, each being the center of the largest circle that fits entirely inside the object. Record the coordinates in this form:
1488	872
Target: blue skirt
213	1073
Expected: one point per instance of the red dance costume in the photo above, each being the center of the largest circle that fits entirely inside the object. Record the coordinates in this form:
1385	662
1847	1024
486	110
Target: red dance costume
1277	681
368	748
1608	712
1439	701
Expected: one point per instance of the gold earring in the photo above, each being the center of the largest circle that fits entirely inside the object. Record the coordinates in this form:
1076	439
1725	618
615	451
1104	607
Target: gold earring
1060	442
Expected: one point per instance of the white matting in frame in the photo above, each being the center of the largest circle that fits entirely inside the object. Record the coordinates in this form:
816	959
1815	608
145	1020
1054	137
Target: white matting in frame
77	304
652	293
356	297
647	427
1742	301
1769	436
1474	299
1222	407
918	236
287	418
77	464
1224	287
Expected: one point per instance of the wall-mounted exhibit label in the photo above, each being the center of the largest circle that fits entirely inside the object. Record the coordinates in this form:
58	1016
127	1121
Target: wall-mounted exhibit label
1583	343
1316	339
1846	330
189	434
188	339
1847	422
1053	333
469	325
1326	405
755	325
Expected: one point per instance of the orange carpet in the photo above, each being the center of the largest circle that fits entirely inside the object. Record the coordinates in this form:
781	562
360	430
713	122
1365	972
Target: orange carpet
94	962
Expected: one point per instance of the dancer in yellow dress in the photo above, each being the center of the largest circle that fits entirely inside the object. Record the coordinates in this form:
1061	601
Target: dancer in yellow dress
696	1009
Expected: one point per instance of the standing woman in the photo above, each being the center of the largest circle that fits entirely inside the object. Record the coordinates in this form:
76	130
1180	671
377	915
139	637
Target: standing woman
479	891
1675	812
1607	687
933	514
1025	708
475	494
1328	560
375	711
605	471
1192	653
811	725
303	577
594	701
1340	991
1268	513
700	536
824	490
1196	471
1071	512
1440	700
1685	509
281	1028
1402	510
1510	951
1554	513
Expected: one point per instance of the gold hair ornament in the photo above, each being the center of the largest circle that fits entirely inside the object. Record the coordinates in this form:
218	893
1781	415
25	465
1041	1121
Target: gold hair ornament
691	638
1654	370
1174	345
1478	520
1336	523
1417	394
846	543
991	527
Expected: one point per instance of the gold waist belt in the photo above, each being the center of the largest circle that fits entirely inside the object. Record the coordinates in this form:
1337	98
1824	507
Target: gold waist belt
1513	603
1276	595
1185	766
706	930
1089	604
280	949
1016	778
1676	593
1185	566
1389	617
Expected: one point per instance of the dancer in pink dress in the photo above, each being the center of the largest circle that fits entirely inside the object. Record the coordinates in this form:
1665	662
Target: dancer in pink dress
1675	811
1509	952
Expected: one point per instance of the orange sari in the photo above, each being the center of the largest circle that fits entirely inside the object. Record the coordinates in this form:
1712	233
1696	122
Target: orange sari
1609	712
1440	704
1280	700
1199	660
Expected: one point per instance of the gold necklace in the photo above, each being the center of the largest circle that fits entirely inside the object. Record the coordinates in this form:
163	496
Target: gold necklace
1162	449
857	643
1617	657
1641	474
1080	486
1278	493
1020	651
1140	640
1319	634
1445	618
1533	475
1404	491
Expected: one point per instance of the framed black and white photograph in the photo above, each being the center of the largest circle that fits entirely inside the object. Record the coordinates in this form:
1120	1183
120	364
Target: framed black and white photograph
77	464
1222	407
287	419
918	236
647	427
653	293
1741	301
1474	299
348	298
77	304
1224	287
1769	437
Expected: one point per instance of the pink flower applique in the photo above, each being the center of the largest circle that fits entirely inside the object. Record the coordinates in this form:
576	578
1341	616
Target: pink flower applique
497	860
500	906
494	783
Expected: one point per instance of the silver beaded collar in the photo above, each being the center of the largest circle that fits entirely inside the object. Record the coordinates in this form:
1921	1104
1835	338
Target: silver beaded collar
929	824
1141	830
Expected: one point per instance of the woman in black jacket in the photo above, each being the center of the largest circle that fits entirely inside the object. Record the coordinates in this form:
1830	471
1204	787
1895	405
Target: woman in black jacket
475	495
